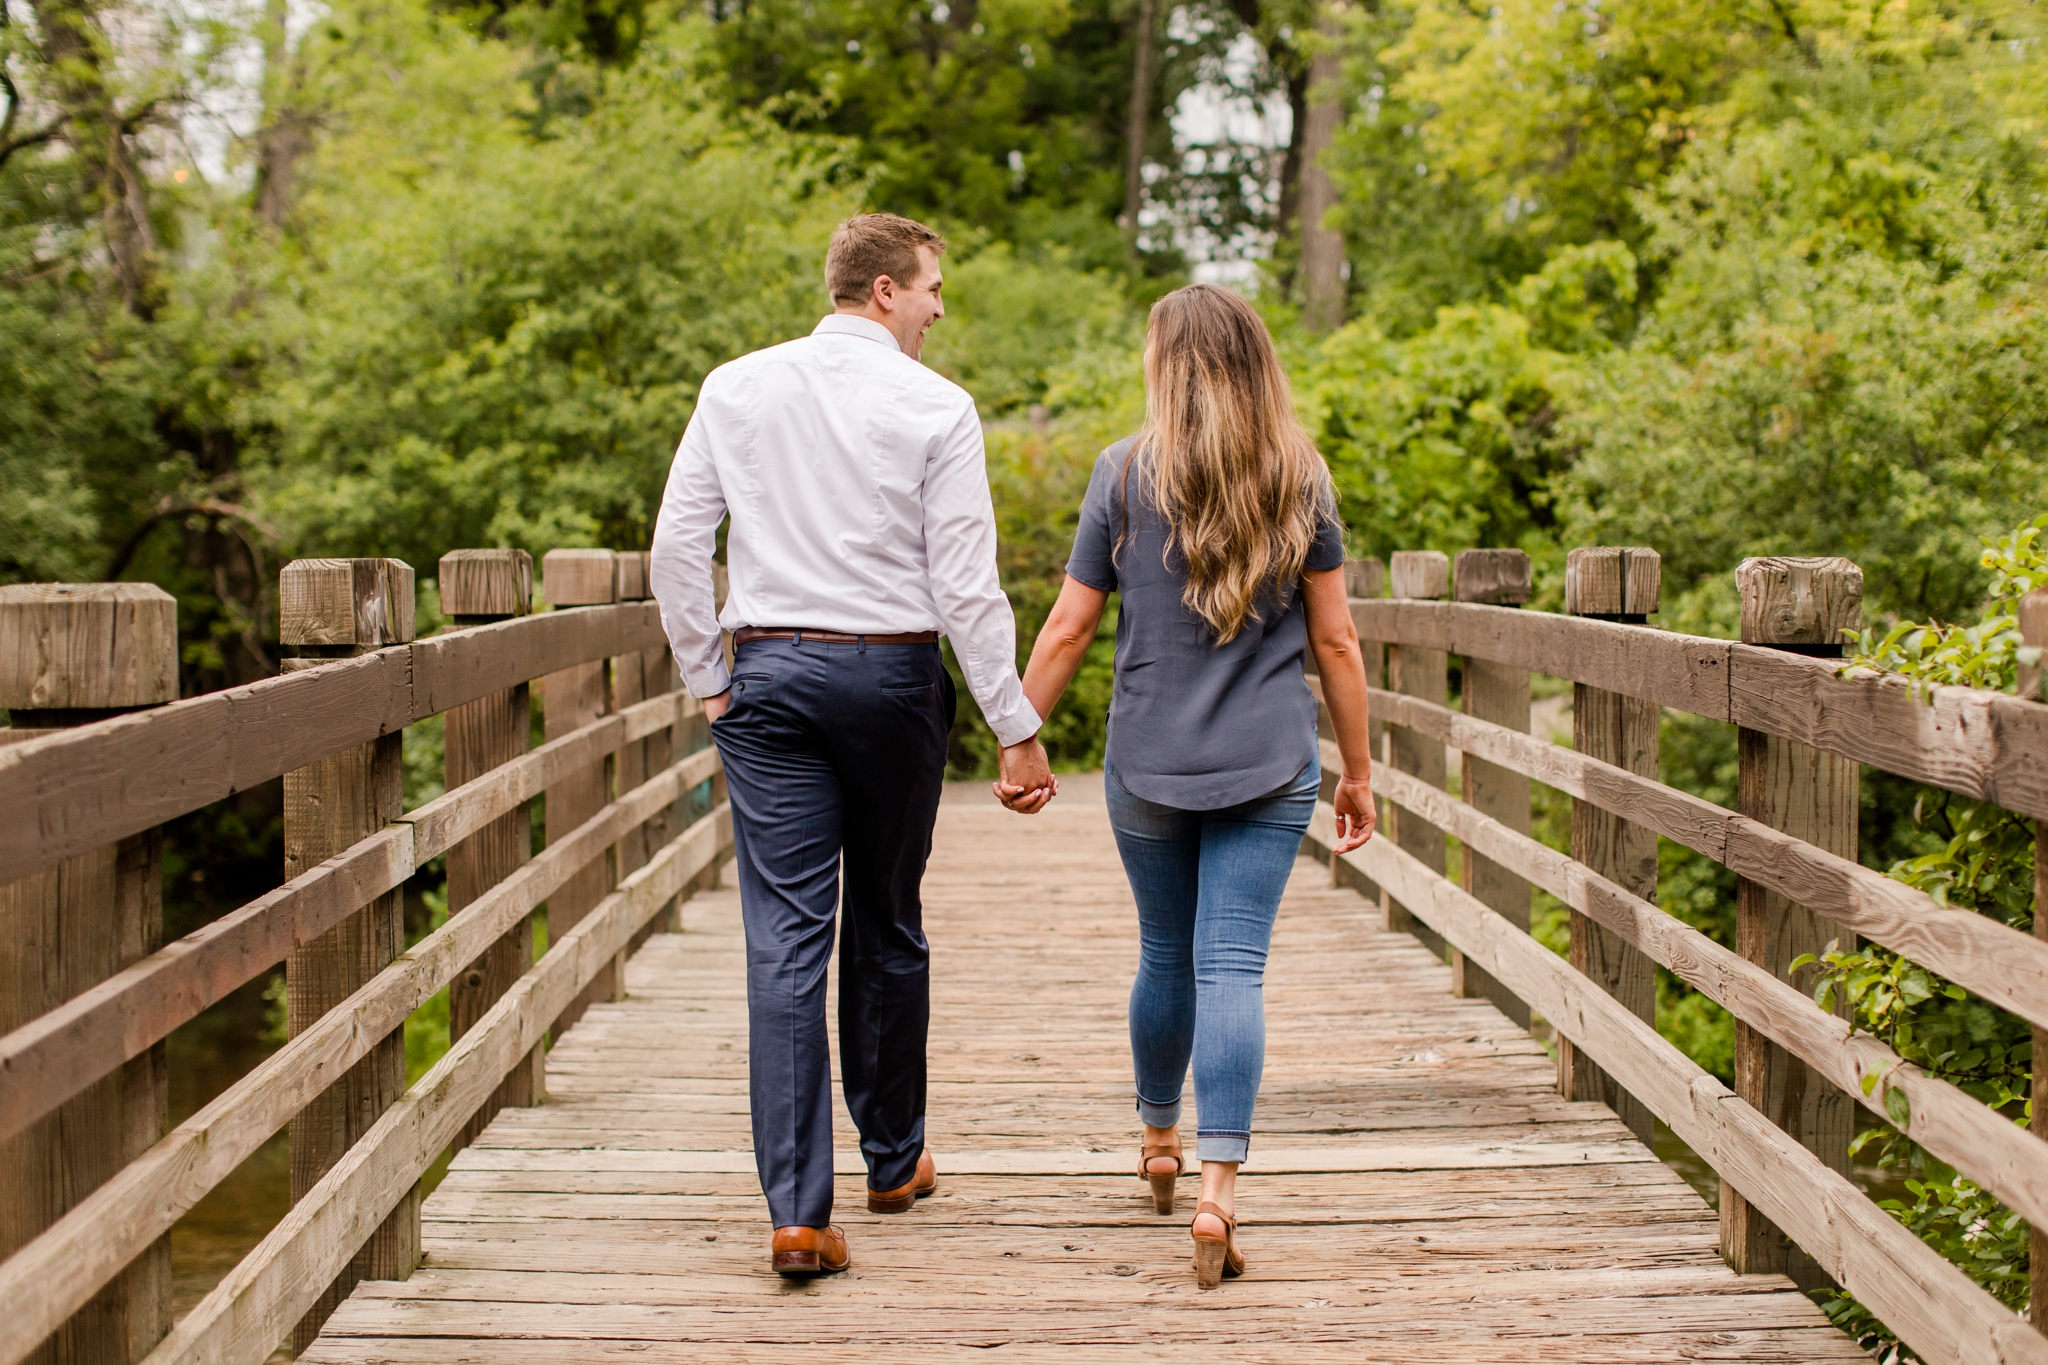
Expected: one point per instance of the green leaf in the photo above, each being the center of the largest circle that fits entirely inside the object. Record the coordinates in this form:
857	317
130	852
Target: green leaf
1897	1106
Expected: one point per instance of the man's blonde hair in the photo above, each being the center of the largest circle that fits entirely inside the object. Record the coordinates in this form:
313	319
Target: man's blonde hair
873	244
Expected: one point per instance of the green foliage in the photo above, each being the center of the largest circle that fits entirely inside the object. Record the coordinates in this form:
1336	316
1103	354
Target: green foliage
1983	860
1440	440
506	351
1987	654
1014	323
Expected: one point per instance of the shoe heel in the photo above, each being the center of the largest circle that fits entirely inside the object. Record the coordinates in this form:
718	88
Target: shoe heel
1209	1258
797	1263
1162	1192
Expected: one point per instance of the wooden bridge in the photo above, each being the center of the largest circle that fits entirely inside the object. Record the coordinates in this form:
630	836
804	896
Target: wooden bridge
1419	1188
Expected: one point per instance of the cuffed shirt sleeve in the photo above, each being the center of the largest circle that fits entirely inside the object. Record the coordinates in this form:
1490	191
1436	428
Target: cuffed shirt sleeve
679	568
960	550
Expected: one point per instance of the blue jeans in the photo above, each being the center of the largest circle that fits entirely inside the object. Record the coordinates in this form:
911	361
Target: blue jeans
1208	886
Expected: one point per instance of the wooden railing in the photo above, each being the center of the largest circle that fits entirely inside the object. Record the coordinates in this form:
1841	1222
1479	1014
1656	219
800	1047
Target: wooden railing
101	756
1779	1142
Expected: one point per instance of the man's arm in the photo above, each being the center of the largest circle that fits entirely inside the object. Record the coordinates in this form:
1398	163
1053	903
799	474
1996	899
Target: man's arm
960	550
679	569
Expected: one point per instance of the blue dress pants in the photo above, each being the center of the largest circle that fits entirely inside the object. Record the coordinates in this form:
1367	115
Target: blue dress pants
834	757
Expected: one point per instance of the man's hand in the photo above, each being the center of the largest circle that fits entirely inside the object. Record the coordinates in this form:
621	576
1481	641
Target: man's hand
1027	782
714	707
1356	814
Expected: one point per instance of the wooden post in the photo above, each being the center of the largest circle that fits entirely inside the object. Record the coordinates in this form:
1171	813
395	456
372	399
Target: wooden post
1423	673
333	609
630	685
2034	635
1364	580
1499	693
1612	583
570	700
70	654
1802	605
478	587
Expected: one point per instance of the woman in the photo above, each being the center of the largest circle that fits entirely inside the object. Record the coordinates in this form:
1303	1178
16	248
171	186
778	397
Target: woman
1218	526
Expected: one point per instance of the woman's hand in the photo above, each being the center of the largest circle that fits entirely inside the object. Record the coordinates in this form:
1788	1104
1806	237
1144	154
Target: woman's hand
1357	817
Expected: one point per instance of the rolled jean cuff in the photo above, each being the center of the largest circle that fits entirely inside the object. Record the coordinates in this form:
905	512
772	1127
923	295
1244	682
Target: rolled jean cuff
1158	1115
1223	1146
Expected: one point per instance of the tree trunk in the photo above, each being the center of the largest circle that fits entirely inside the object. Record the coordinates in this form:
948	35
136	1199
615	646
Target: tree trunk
97	131
284	137
1322	249
1138	124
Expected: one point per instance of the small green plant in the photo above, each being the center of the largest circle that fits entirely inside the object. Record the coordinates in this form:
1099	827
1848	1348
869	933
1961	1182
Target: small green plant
1987	654
1985	863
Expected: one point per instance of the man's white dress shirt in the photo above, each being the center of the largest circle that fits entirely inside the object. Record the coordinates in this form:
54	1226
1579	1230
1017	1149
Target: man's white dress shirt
859	498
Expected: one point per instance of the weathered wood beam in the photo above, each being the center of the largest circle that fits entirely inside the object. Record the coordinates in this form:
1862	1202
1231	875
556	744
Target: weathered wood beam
68	793
1929	1302
70	654
56	1273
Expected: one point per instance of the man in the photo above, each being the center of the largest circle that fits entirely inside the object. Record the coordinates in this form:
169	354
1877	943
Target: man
862	529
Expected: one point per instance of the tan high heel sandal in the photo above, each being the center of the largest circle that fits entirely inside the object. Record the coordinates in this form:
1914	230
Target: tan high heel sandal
1162	1185
1216	1259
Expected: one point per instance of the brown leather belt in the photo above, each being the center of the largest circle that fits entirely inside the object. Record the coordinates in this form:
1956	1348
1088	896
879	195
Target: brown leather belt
831	637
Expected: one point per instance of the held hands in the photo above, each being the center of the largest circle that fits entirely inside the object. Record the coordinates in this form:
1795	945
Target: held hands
1027	782
1356	815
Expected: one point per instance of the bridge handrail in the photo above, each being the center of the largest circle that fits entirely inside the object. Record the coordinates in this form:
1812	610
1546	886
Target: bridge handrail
70	792
1983	744
1986	745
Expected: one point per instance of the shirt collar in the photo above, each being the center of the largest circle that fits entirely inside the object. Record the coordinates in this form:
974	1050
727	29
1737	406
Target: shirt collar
849	324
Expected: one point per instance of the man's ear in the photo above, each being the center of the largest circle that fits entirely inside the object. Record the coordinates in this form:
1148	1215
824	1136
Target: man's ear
883	291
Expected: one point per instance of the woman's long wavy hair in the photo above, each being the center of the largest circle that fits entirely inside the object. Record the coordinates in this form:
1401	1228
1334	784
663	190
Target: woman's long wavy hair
1239	483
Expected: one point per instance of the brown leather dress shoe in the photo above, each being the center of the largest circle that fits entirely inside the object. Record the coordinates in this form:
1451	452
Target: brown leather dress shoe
898	1200
810	1251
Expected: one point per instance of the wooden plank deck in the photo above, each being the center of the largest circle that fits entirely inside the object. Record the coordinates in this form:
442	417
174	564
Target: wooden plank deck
1417	1191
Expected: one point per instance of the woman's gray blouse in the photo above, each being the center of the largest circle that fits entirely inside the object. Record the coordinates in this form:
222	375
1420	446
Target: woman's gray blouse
1192	723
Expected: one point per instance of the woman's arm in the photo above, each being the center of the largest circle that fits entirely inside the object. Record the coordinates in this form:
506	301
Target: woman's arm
1061	645
1341	666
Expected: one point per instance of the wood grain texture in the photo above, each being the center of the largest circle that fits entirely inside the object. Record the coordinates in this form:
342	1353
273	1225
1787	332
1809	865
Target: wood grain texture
63	932
570	700
1424	575
1622	731
1800	601
54	1274
1988	1148
1498	693
2003	965
2033	625
1612	581
1930	1303
1424	674
355	604
66	793
1807	605
493	585
1501	577
86	646
1365	577
239	1321
481	736
579	578
1986	745
1414	1182
328	807
48	1060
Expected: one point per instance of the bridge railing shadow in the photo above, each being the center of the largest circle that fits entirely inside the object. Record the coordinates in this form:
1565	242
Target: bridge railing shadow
1805	726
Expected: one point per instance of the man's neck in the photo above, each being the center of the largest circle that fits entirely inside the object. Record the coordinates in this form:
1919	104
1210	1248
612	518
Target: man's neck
881	319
